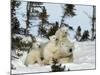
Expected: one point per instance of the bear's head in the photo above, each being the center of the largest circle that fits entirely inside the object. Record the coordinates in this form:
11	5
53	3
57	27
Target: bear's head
37	45
53	39
64	31
67	48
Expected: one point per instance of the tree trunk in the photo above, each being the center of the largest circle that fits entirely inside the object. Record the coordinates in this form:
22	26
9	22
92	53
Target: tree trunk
28	15
62	20
93	22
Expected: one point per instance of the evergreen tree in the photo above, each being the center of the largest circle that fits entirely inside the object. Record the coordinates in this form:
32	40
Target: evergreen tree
78	33
93	23
14	21
31	11
68	12
43	17
85	36
53	29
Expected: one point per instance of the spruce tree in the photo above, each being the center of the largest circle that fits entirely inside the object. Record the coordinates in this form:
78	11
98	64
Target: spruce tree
78	33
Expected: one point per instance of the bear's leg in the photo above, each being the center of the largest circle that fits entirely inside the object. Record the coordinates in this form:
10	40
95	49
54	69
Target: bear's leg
46	62
65	60
51	61
39	61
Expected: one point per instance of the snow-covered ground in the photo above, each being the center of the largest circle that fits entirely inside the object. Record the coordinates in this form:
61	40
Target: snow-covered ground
84	58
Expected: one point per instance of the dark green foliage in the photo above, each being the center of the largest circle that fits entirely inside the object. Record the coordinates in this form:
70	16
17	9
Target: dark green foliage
28	8
15	25
57	67
68	12
43	16
22	45
43	31
78	33
16	42
71	28
79	30
31	11
53	29
14	21
85	36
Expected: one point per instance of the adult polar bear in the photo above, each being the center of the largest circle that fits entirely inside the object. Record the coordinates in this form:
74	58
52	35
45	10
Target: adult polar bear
65	45
59	47
34	55
63	53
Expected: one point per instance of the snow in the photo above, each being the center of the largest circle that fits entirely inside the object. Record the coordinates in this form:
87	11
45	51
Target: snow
84	58
41	39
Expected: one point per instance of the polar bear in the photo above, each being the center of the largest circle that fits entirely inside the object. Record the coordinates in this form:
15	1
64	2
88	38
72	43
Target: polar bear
63	53
66	52
62	35
50	49
34	56
65	45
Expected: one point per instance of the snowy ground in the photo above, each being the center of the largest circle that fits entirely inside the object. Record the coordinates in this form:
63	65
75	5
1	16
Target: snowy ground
84	58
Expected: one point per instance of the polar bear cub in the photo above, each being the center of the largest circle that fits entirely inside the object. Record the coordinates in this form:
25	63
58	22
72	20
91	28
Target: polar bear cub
50	49
62	32
34	56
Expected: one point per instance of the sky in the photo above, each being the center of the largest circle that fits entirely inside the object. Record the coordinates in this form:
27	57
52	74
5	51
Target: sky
55	11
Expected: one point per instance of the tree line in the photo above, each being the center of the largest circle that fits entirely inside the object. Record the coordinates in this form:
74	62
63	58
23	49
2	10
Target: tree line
45	28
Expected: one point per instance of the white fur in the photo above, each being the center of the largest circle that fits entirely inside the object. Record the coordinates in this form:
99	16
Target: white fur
66	54
34	55
50	49
62	32
65	45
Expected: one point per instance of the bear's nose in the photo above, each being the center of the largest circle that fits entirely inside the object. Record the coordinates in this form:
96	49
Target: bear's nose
56	39
70	50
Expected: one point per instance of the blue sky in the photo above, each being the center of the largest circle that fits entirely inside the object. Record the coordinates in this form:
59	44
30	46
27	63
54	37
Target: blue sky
56	11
